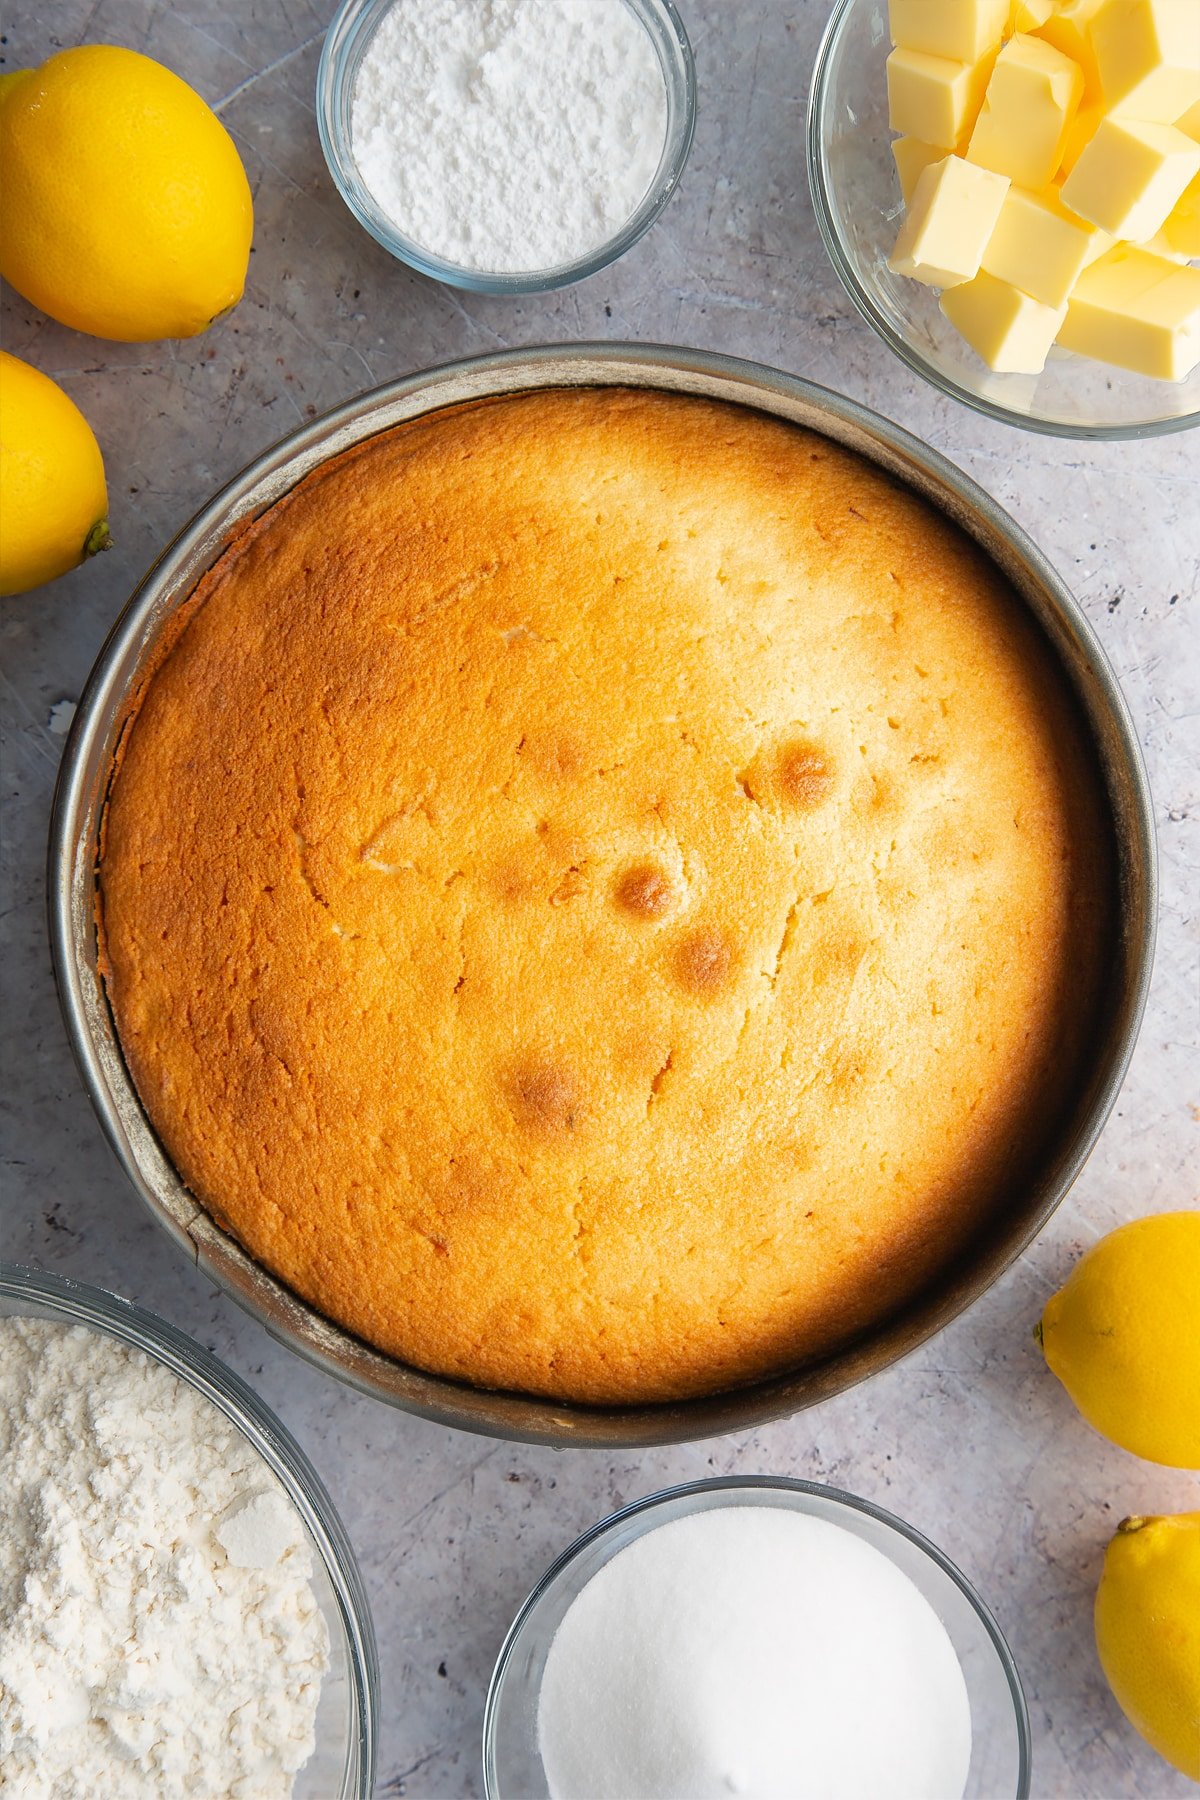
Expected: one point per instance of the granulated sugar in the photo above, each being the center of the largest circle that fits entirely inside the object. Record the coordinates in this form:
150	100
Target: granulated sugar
509	135
756	1652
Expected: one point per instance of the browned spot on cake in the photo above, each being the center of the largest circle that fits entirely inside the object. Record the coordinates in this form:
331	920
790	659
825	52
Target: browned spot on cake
797	774
544	1097
805	774
645	891
704	961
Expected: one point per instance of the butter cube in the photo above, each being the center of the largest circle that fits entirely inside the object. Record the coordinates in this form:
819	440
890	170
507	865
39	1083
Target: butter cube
1041	247
952	216
1030	100
1129	177
912	158
1078	136
1161	245
1100	246
960	30
1011	332
1028	15
1148	55
1181	230
1138	311
932	98
1067	30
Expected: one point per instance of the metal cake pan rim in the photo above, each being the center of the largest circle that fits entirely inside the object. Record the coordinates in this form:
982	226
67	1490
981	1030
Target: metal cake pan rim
106	701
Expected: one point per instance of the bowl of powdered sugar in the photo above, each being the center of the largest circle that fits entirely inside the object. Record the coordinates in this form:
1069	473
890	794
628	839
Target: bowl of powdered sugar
506	146
180	1610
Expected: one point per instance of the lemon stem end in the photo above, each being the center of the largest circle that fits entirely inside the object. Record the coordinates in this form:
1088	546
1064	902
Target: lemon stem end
98	538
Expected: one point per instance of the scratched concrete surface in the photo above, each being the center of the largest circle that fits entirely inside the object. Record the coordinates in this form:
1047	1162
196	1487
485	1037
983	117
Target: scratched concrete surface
970	1438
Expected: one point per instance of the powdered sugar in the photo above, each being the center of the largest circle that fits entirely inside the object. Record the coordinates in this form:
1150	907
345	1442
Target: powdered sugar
509	135
158	1630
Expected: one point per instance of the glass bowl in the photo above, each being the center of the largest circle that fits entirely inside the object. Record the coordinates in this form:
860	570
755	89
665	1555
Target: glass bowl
347	39
342	1766
856	195
1000	1746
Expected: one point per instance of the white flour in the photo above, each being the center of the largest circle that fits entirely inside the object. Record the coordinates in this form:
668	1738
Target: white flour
509	135
756	1652
159	1638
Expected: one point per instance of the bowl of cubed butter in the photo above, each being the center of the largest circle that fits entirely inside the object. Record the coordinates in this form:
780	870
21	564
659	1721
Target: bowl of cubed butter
1010	193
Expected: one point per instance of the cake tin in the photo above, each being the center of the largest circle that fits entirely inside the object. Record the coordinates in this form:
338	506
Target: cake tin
111	696
1000	1745
856	195
342	1766
347	39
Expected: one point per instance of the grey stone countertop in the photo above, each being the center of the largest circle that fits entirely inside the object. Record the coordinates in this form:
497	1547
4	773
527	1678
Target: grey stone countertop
970	1438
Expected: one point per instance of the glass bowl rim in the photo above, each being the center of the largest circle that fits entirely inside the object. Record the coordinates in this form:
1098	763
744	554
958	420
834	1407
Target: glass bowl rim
800	1491
78	1302
820	186
332	73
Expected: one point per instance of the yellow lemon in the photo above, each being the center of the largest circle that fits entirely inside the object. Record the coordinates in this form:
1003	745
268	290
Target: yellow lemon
52	494
1148	1632
127	212
1123	1337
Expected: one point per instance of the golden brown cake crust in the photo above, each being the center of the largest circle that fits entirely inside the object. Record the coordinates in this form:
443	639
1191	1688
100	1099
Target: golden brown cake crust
604	895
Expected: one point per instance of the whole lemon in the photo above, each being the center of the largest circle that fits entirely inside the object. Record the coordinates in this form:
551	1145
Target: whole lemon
52	493
127	212
1123	1336
1148	1632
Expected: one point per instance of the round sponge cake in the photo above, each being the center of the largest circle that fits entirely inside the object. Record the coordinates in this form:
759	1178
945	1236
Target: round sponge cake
605	893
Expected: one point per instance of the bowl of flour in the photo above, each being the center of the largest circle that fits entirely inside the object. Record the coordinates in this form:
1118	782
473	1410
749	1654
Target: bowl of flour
506	146
180	1609
761	1637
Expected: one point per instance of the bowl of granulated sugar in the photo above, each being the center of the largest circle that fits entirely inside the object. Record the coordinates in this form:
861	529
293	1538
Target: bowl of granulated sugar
761	1637
506	146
